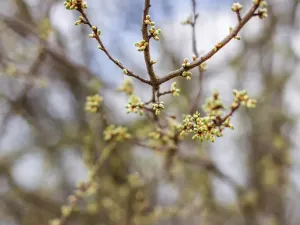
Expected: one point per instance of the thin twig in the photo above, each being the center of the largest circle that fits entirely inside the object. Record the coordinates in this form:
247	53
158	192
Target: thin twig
195	51
164	93
212	52
229	114
193	24
239	17
97	37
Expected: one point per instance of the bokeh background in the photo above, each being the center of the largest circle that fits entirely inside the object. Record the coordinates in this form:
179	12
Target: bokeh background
48	66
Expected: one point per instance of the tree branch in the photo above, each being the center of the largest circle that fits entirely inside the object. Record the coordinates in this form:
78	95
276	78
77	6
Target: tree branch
97	37
212	52
146	37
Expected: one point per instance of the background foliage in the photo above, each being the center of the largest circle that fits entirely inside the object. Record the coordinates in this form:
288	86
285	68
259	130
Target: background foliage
49	144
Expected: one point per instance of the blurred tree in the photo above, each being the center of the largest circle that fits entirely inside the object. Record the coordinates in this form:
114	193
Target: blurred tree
71	155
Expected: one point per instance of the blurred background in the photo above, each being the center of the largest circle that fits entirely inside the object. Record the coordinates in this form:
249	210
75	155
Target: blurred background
48	142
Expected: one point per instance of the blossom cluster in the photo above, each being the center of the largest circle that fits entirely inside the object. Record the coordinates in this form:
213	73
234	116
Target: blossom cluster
159	138
157	107
135	105
262	11
75	4
116	133
142	45
212	125
153	31
127	87
93	103
241	97
175	91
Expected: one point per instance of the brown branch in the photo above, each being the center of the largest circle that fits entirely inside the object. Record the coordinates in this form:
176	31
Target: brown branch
97	37
212	52
239	17
146	37
164	93
230	113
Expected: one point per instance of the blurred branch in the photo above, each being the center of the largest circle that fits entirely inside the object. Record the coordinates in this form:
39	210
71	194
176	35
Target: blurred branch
24	11
49	50
195	16
83	188
210	166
